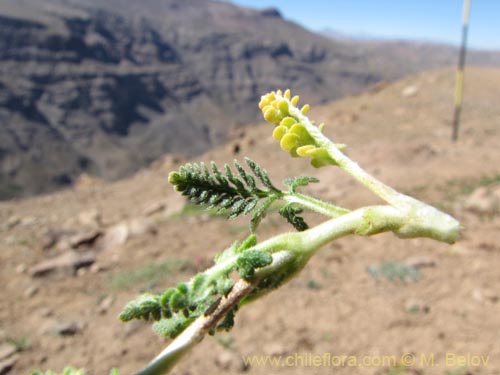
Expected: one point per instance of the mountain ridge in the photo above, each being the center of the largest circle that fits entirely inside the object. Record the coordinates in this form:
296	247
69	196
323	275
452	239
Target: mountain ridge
106	88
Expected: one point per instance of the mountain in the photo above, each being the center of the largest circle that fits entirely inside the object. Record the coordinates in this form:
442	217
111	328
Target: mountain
414	54
105	87
98	253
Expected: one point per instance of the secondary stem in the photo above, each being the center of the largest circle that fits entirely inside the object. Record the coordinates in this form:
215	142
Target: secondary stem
385	192
195	333
315	205
296	246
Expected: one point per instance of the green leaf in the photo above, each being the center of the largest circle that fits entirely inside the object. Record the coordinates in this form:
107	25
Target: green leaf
290	213
260	212
294	183
261	173
171	327
146	306
250	260
237	193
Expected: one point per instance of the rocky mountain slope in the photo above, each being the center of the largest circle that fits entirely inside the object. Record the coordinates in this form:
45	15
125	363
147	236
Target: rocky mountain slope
69	261
105	87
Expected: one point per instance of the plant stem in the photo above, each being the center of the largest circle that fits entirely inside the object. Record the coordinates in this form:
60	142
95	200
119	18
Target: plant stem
195	333
314	204
422	220
385	192
287	247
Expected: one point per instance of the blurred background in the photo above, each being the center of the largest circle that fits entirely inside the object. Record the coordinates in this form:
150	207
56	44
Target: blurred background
107	88
99	100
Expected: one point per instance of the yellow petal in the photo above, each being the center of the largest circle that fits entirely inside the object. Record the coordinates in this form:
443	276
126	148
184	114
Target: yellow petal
295	100
305	109
287	94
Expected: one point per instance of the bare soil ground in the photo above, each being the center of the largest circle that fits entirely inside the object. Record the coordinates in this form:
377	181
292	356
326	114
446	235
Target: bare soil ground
135	235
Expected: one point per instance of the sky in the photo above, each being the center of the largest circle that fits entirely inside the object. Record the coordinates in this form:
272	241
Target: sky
428	20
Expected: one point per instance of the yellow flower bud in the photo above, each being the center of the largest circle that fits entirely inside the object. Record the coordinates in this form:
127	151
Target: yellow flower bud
295	100
288	122
289	142
305	151
267	99
300	131
272	115
287	94
283	106
305	109
279	132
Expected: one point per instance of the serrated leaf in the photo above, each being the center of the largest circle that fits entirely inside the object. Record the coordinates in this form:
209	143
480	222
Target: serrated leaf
290	213
294	183
224	190
261	174
250	260
250	205
171	327
260	212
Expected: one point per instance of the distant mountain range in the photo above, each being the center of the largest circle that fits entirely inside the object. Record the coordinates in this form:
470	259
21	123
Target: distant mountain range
105	87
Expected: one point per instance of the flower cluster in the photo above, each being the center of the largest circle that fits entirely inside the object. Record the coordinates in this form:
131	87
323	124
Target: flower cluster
281	110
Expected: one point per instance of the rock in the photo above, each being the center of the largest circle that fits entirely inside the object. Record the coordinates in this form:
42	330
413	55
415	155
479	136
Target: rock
230	361
28	221
12	222
8	358
86	181
420	261
8	364
105	304
485	295
67	261
67	328
21	268
141	226
85	238
484	200
81	272
90	218
174	205
409	91
45	312
6	350
31	291
49	239
114	236
271	12
119	234
154	208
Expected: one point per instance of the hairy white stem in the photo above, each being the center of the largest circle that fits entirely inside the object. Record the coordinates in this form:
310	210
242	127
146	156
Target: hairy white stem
195	333
287	247
314	204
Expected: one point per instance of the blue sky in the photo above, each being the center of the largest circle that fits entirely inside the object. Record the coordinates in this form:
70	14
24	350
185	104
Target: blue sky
430	20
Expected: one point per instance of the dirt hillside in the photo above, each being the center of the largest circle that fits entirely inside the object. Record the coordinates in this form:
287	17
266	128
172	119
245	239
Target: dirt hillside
71	260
